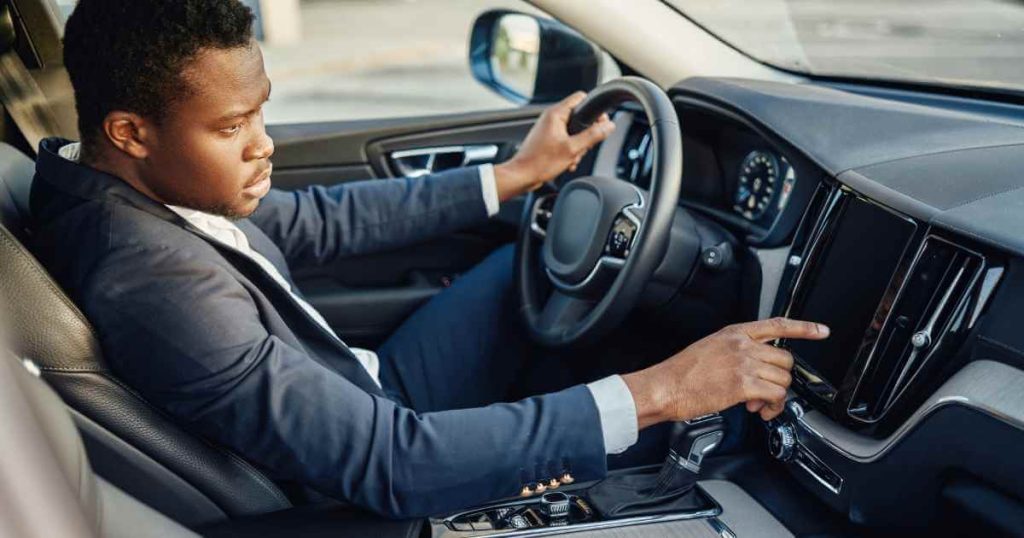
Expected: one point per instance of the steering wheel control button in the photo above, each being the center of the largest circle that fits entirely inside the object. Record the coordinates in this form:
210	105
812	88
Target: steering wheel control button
620	239
717	257
782	442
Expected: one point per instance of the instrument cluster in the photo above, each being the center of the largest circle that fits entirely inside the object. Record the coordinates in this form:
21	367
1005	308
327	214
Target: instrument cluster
764	183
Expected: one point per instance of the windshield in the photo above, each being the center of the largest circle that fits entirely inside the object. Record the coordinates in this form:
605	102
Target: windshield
958	42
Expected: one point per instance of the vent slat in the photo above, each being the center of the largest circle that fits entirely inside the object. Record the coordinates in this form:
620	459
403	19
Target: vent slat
924	323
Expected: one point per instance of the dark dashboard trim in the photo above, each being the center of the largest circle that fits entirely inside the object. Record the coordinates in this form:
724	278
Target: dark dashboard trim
881	147
989	387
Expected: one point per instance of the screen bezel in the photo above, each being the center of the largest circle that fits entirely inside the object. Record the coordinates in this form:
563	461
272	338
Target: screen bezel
833	396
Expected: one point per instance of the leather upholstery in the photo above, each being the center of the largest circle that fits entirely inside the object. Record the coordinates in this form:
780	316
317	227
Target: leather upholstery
49	329
47	475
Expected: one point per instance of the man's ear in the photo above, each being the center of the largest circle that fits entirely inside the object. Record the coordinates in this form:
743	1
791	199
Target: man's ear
128	132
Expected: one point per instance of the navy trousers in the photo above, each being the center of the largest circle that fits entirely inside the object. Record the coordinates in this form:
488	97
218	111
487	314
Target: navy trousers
466	347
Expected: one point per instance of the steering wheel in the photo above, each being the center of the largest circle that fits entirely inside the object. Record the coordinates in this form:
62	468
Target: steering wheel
600	239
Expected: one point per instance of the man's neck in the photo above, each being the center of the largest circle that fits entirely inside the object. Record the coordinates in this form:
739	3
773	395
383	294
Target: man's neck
115	166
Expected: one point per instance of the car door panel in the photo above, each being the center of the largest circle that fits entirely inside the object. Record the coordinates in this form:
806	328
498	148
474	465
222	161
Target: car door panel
365	298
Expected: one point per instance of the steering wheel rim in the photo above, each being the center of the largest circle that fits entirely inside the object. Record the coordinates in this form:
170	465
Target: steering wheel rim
568	316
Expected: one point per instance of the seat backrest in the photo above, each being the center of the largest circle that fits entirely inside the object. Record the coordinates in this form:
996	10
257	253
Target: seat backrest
46	483
131	443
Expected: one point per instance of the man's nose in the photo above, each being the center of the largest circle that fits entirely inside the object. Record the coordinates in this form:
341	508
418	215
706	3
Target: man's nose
262	148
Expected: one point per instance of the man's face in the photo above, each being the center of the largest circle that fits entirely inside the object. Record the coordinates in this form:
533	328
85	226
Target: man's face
211	151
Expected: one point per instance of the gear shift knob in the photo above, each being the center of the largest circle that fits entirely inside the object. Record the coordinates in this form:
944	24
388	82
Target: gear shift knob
697	439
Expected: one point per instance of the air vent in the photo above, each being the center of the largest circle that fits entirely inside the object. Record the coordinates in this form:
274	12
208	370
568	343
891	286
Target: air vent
927	323
637	158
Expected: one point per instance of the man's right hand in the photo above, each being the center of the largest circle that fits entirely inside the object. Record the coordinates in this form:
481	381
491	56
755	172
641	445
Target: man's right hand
734	365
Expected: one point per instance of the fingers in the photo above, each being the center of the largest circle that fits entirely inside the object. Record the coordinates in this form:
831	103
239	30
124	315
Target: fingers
563	109
755	388
771	410
755	405
775	328
772	355
591	136
774	374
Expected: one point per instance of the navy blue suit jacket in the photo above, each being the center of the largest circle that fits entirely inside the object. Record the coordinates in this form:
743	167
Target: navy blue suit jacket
201	331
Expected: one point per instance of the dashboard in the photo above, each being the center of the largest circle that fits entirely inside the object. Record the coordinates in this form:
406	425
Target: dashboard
731	172
896	218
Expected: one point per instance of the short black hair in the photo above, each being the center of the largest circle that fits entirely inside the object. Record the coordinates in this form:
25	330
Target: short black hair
129	54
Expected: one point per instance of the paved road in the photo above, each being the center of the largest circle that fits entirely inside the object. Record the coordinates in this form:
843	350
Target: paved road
377	58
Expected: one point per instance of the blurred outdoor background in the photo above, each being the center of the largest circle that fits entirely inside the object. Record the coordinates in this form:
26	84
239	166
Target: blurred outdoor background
351	59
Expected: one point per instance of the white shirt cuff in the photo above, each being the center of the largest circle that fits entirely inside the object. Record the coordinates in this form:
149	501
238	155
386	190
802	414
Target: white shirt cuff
617	410
489	187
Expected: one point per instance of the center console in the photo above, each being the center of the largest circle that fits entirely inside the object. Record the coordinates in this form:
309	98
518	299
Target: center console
901	298
665	501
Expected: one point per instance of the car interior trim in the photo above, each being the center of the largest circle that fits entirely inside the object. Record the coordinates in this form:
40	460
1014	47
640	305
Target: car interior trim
989	387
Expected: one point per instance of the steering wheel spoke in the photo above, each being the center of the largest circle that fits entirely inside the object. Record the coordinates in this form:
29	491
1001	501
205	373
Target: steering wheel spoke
540	214
562	312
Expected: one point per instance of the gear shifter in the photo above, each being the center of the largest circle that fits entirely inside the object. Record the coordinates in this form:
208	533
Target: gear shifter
681	467
672	488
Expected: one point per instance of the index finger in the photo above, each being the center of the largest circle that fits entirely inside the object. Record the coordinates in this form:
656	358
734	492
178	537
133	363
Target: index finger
775	328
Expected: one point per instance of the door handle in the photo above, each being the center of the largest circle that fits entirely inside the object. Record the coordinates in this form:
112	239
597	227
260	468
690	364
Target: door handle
419	162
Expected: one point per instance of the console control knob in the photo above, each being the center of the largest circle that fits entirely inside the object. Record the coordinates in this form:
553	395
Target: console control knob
555	504
782	442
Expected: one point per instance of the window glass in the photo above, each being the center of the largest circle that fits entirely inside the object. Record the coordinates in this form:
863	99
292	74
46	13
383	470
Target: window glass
977	43
352	59
356	59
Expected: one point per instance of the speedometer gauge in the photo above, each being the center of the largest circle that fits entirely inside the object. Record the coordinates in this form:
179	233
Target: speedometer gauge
757	185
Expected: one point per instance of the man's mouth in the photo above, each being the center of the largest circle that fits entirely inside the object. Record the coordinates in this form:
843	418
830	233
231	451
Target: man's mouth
260	185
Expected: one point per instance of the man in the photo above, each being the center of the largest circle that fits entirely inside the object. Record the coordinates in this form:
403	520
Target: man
162	225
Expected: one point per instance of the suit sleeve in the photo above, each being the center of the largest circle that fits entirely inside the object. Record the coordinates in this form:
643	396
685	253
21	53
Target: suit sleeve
320	224
190	338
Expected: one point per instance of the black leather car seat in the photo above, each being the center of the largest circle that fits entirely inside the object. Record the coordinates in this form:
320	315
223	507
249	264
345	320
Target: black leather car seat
130	443
47	486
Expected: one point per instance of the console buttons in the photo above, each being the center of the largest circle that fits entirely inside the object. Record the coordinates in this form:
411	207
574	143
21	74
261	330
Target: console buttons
795	409
782	442
717	257
518	522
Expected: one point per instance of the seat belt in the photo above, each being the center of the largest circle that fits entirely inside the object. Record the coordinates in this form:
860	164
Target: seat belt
20	95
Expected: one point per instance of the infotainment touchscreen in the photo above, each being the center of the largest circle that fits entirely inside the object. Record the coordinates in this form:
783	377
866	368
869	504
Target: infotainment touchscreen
848	283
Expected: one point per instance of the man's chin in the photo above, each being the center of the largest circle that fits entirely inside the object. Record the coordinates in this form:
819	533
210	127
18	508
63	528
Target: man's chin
237	211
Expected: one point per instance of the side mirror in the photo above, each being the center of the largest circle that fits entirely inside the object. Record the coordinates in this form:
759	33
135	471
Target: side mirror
528	59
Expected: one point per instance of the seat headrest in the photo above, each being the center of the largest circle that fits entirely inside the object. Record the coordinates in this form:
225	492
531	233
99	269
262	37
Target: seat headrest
16	172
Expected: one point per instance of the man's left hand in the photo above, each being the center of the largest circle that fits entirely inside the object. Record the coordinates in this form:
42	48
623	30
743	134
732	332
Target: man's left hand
549	149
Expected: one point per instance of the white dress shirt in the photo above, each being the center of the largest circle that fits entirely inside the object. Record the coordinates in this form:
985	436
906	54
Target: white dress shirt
615	405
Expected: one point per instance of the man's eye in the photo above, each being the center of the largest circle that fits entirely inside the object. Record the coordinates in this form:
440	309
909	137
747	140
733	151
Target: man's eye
233	129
